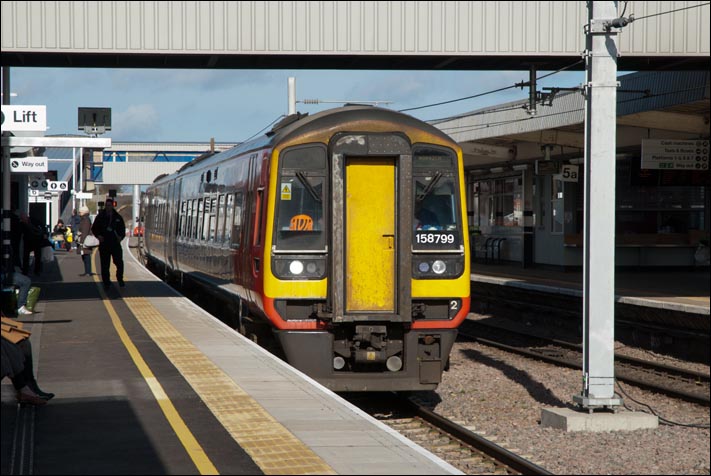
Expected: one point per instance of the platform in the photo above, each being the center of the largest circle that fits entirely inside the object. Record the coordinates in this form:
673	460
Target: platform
148	383
674	290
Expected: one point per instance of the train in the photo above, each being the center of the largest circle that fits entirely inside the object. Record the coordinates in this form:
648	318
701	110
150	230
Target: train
343	234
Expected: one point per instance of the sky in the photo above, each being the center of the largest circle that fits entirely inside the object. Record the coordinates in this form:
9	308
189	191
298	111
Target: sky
179	105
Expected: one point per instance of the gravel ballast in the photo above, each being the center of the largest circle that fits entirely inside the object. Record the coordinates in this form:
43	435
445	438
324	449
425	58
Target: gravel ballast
502	395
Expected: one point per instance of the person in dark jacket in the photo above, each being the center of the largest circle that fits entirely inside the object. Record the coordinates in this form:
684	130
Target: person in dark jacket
33	237
74	223
110	229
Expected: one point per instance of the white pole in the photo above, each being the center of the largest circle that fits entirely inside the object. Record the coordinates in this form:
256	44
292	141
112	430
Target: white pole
81	174
292	96
599	226
74	179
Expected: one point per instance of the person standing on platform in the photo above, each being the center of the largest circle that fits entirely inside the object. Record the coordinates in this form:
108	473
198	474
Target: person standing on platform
110	229
84	231
32	240
75	222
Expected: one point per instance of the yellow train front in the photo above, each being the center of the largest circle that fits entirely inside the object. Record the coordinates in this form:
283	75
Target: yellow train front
348	238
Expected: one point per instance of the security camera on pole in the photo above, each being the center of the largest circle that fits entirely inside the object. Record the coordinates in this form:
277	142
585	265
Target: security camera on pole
93	121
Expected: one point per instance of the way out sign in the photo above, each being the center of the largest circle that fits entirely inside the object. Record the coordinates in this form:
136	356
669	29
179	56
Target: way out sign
28	164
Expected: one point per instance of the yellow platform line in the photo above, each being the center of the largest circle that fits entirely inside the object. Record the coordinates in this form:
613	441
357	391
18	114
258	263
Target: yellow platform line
270	445
192	447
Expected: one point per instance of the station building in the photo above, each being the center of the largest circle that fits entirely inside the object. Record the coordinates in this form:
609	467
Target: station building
525	174
120	167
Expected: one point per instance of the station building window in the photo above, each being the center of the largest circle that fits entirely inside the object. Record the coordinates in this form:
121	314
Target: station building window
660	206
497	205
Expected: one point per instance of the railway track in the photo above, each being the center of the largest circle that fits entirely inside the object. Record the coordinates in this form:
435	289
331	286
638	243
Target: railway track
455	443
672	381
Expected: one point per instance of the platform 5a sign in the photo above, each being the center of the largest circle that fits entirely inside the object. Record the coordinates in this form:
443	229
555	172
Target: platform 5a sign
568	173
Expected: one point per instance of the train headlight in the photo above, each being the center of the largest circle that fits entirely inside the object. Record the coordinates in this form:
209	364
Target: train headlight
299	267
439	267
296	267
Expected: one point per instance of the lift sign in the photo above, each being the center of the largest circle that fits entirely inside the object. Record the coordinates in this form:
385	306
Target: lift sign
24	118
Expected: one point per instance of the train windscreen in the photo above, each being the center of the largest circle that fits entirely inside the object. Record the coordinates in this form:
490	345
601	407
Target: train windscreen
301	198
436	211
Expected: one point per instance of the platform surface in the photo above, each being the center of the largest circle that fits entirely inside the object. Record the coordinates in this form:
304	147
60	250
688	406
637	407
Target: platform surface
685	291
148	383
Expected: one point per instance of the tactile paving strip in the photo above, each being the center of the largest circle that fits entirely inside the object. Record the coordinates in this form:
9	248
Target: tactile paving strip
272	447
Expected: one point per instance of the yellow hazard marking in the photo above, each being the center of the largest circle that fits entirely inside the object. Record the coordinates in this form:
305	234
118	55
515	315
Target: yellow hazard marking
270	445
189	442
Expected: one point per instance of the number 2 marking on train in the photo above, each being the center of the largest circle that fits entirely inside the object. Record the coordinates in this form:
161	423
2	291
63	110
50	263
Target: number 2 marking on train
453	305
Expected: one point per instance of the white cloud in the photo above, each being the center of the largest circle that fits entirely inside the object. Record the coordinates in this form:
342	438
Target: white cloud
137	122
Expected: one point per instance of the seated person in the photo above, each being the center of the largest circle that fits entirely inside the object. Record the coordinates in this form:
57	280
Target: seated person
59	228
17	364
16	278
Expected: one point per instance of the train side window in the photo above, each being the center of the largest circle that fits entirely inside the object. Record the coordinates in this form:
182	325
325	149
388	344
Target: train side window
229	217
189	218
193	214
198	225
183	217
220	219
206	216
213	219
237	220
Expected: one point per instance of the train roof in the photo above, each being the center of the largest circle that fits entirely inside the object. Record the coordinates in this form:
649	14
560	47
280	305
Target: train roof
303	123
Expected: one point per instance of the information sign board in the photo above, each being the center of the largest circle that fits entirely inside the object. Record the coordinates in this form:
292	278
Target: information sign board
663	154
28	164
24	118
547	167
57	186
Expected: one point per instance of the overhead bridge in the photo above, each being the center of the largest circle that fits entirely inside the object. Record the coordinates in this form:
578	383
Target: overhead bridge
427	35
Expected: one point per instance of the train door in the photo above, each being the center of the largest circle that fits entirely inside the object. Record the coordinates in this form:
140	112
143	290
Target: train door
370	223
174	207
251	256
167	238
370	245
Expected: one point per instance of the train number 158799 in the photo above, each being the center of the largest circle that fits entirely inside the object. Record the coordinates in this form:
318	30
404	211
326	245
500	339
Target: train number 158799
434	238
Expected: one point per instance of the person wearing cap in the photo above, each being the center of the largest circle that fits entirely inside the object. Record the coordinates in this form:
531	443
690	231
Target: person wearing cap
110	229
84	231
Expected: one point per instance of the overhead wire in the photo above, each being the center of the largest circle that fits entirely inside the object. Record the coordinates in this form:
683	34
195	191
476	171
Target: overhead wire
512	121
667	12
489	92
265	128
547	75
